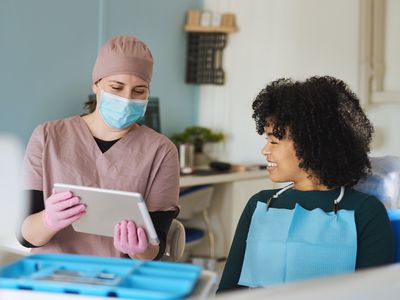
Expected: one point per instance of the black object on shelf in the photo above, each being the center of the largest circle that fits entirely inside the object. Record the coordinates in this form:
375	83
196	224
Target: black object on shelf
152	116
204	57
220	166
205	172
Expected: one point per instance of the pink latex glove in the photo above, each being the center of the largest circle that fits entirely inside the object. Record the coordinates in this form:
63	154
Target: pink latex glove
62	209
129	239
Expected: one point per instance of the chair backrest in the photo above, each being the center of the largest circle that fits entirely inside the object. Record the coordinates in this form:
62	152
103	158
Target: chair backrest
13	201
384	184
175	244
194	200
394	217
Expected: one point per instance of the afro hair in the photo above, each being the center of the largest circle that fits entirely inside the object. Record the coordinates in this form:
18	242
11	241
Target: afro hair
323	117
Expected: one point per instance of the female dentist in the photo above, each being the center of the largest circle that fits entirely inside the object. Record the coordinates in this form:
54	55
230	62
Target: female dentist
106	148
318	139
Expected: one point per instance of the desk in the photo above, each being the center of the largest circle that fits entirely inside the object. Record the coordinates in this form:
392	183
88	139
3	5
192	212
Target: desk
231	193
192	180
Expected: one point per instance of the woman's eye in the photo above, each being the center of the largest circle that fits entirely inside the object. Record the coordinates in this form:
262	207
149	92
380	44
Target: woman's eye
270	141
116	88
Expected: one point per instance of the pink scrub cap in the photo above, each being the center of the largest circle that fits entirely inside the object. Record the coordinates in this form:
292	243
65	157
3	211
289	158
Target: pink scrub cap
123	55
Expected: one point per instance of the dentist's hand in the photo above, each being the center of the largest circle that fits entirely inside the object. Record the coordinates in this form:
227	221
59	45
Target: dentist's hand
130	239
62	209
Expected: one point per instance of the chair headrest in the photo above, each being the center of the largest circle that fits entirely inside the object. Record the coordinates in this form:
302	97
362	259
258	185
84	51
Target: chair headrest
384	182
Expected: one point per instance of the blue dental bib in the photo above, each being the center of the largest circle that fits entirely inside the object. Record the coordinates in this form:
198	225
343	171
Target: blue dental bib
286	245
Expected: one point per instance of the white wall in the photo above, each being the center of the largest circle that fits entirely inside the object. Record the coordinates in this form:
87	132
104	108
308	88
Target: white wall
284	38
386	116
392	45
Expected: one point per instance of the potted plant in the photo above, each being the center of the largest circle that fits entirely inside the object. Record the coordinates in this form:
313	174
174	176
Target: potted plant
197	136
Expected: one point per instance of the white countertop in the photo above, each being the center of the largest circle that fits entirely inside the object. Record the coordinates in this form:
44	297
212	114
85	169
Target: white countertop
372	283
190	180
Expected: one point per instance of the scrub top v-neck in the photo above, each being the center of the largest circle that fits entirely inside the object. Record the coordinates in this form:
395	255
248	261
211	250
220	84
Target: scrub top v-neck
111	157
65	151
104	145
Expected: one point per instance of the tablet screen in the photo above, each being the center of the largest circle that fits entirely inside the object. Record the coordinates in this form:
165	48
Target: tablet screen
105	208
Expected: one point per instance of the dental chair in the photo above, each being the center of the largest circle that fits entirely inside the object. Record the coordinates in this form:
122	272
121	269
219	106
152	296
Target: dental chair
384	184
175	244
195	202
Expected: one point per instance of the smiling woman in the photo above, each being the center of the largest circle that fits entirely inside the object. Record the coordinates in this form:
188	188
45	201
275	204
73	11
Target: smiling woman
317	138
323	118
282	162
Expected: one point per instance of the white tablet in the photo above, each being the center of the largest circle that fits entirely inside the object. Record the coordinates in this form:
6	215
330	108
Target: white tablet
105	208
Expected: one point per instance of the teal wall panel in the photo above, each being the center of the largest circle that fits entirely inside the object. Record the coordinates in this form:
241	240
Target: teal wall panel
48	47
46	54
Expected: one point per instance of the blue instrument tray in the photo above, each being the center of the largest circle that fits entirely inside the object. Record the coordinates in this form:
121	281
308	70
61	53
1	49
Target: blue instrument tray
100	276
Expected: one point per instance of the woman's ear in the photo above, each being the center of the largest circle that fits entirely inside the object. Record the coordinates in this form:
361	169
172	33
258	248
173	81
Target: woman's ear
95	88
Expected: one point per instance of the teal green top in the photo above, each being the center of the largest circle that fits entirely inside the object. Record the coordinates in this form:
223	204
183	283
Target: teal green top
375	239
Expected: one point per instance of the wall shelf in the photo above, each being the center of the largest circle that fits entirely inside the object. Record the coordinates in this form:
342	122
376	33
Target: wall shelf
192	28
207	35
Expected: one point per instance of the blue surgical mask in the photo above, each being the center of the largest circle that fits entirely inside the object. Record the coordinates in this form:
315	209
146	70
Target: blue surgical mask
119	112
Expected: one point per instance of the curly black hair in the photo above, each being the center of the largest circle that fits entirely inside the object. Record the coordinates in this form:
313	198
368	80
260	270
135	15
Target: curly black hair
323	117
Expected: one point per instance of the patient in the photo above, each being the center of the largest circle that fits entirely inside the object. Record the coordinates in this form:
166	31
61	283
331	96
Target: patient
317	140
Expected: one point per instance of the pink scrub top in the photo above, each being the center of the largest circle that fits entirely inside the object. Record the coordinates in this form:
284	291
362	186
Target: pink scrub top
65	151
